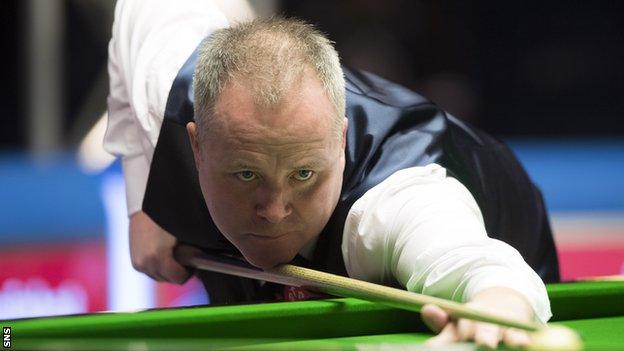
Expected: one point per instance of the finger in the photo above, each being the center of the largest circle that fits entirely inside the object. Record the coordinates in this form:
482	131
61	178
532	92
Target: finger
154	276
174	272
152	269
466	329
447	336
516	338
487	335
146	265
434	317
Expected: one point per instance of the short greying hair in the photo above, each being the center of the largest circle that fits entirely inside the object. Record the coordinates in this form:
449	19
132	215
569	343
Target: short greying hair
270	54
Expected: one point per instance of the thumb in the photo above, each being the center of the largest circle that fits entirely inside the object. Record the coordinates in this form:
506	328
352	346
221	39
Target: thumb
434	317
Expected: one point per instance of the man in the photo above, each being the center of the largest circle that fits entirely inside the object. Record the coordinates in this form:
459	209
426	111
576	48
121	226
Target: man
280	173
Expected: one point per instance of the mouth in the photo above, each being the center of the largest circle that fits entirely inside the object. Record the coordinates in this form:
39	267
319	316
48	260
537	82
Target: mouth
265	237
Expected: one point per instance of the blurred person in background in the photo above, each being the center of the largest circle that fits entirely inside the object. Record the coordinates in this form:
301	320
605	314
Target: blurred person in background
146	51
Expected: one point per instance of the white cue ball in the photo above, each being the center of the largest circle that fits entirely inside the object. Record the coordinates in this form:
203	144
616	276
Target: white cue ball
555	338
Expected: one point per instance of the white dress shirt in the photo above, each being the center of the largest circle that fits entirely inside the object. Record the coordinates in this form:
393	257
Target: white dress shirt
418	227
425	230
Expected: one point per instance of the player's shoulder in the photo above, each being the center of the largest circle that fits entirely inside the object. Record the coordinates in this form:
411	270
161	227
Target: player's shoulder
421	183
379	90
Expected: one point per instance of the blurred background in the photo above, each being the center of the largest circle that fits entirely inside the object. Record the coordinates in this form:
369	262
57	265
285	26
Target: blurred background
546	77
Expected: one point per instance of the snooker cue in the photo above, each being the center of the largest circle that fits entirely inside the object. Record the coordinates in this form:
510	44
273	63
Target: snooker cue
332	284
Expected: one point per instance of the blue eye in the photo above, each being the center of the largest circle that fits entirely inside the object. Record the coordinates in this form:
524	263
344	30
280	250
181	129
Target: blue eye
246	176
303	174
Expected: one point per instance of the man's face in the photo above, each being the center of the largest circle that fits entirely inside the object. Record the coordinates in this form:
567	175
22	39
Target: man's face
271	177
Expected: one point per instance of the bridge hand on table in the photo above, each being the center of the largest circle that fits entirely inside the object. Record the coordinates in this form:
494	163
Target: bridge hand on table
502	301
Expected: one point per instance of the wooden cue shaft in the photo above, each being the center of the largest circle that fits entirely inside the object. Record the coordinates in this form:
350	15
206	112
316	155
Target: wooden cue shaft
288	274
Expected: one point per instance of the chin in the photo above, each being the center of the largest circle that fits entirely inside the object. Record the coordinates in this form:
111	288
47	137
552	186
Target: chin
267	260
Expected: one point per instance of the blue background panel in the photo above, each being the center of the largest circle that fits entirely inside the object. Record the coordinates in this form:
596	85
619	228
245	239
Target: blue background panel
576	175
48	199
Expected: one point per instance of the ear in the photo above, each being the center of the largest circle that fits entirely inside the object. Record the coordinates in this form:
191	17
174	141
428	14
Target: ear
345	126
191	129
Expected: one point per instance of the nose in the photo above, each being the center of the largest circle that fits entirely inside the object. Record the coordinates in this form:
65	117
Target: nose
273	206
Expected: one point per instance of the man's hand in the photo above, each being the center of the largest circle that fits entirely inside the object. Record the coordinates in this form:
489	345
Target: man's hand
502	301
151	251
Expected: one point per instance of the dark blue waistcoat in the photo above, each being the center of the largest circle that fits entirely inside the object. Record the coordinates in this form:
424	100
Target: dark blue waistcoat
390	128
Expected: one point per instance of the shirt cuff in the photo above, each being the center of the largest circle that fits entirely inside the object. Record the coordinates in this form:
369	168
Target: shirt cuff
526	284
136	170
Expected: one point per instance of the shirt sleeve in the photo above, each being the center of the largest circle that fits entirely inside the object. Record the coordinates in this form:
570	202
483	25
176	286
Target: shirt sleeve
150	42
425	230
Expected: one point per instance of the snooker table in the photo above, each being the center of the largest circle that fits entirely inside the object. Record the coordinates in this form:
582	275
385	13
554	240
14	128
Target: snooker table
593	309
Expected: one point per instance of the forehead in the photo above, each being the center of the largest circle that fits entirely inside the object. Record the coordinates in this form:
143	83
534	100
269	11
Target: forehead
303	114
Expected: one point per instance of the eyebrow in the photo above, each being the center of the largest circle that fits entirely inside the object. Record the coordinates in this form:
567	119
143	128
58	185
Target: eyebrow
309	164
241	165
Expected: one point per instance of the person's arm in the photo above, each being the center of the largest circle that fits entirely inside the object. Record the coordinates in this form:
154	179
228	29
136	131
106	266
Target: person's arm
150	41
425	230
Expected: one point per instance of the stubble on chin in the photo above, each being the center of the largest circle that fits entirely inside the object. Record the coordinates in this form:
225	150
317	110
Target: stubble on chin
269	257
267	262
